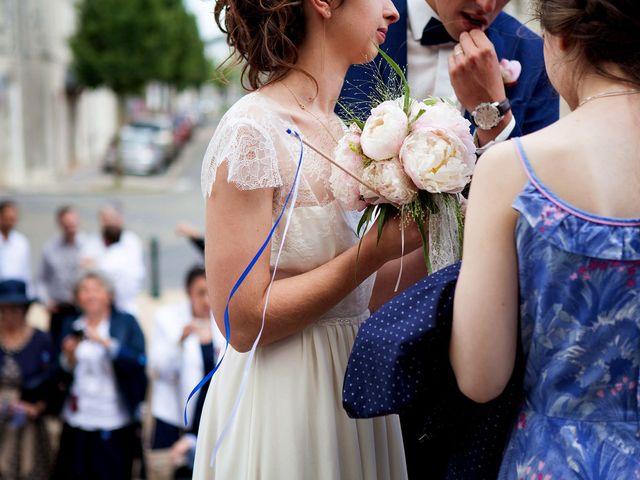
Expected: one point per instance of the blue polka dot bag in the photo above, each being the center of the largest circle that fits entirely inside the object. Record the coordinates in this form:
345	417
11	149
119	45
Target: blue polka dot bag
401	347
400	365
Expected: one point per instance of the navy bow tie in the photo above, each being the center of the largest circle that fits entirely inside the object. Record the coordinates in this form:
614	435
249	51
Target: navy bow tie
435	34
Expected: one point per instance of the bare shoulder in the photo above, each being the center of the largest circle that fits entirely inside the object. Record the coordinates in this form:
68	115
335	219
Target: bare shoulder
499	172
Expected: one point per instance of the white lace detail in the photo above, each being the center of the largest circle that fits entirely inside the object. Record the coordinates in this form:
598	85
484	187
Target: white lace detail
252	137
249	152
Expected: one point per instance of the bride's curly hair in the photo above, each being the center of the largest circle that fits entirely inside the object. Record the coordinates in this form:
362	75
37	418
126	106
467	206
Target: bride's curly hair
600	32
265	34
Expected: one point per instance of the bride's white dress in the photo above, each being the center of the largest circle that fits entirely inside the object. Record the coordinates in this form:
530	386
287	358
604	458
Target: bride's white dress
291	424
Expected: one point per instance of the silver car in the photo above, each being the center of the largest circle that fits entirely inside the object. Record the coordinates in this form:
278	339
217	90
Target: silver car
146	146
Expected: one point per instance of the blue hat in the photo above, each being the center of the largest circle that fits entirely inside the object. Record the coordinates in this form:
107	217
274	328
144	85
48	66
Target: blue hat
14	292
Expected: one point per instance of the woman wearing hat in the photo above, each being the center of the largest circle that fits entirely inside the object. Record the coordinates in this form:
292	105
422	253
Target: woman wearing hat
26	370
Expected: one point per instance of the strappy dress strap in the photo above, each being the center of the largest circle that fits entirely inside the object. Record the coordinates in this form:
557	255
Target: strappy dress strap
562	204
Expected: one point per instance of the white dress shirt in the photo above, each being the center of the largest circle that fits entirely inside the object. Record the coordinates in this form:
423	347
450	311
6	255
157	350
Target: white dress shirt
428	66
95	403
176	367
15	259
123	263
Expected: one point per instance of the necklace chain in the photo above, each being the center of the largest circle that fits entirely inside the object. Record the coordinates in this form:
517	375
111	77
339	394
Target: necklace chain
610	93
304	108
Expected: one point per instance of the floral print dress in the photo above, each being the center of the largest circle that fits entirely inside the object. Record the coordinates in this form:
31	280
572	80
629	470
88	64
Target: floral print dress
579	280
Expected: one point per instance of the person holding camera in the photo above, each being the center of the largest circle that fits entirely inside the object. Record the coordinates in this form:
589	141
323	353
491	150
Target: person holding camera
103	363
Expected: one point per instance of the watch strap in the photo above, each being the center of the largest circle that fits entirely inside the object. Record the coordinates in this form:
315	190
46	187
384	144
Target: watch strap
504	106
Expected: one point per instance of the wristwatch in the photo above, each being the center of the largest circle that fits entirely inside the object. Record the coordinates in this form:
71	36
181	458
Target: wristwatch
488	115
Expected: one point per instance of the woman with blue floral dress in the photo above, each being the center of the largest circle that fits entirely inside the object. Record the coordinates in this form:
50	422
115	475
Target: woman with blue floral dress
552	254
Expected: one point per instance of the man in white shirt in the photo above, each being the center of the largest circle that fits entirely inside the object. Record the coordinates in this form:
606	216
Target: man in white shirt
118	253
184	348
15	252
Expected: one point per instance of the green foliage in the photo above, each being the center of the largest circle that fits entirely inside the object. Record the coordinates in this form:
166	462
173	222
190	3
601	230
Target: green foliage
405	84
124	44
349	116
365	219
183	63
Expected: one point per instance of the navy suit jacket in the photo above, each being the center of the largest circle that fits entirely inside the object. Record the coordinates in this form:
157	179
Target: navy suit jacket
534	102
129	361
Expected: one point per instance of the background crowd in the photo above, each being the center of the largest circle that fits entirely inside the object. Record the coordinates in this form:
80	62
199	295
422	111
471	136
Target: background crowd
91	397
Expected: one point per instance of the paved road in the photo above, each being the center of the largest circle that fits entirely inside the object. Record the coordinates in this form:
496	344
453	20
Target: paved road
153	206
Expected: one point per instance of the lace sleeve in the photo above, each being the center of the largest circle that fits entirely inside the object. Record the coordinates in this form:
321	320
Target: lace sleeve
250	154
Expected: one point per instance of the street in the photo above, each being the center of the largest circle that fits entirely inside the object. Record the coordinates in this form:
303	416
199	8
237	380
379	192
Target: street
152	207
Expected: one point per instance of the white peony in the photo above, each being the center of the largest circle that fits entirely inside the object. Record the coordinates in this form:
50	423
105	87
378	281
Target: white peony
384	131
345	189
437	161
444	115
390	180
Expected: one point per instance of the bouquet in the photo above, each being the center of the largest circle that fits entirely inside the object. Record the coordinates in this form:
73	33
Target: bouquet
409	158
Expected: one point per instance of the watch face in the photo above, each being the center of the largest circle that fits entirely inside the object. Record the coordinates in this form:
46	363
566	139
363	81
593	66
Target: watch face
486	116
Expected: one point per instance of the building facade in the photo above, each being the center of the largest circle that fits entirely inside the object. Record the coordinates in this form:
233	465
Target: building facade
47	127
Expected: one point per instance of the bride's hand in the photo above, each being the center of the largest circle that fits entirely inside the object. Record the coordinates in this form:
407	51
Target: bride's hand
390	245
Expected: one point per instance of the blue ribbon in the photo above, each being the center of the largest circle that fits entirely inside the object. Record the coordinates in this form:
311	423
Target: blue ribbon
227	325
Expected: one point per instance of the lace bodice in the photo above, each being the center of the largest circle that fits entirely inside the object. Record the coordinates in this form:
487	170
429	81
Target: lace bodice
252	138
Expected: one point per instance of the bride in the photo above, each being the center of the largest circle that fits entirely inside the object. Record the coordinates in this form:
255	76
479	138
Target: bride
290	423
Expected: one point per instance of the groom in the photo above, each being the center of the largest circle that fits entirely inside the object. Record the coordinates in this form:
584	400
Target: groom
451	48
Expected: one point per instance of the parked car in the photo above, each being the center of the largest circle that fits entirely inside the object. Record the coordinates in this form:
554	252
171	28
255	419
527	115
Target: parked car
144	147
182	129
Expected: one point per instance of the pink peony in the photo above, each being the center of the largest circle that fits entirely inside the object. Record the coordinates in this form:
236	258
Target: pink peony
437	161
390	180
444	115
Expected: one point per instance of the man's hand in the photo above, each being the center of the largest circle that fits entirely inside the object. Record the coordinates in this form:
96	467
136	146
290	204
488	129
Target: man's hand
31	410
179	450
475	71
69	345
188	329
88	263
92	334
202	328
476	78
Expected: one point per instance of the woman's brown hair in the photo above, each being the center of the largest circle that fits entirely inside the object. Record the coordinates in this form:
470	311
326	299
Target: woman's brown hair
600	32
266	34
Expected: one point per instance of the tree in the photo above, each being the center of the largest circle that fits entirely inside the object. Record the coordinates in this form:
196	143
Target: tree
125	44
184	63
117	45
